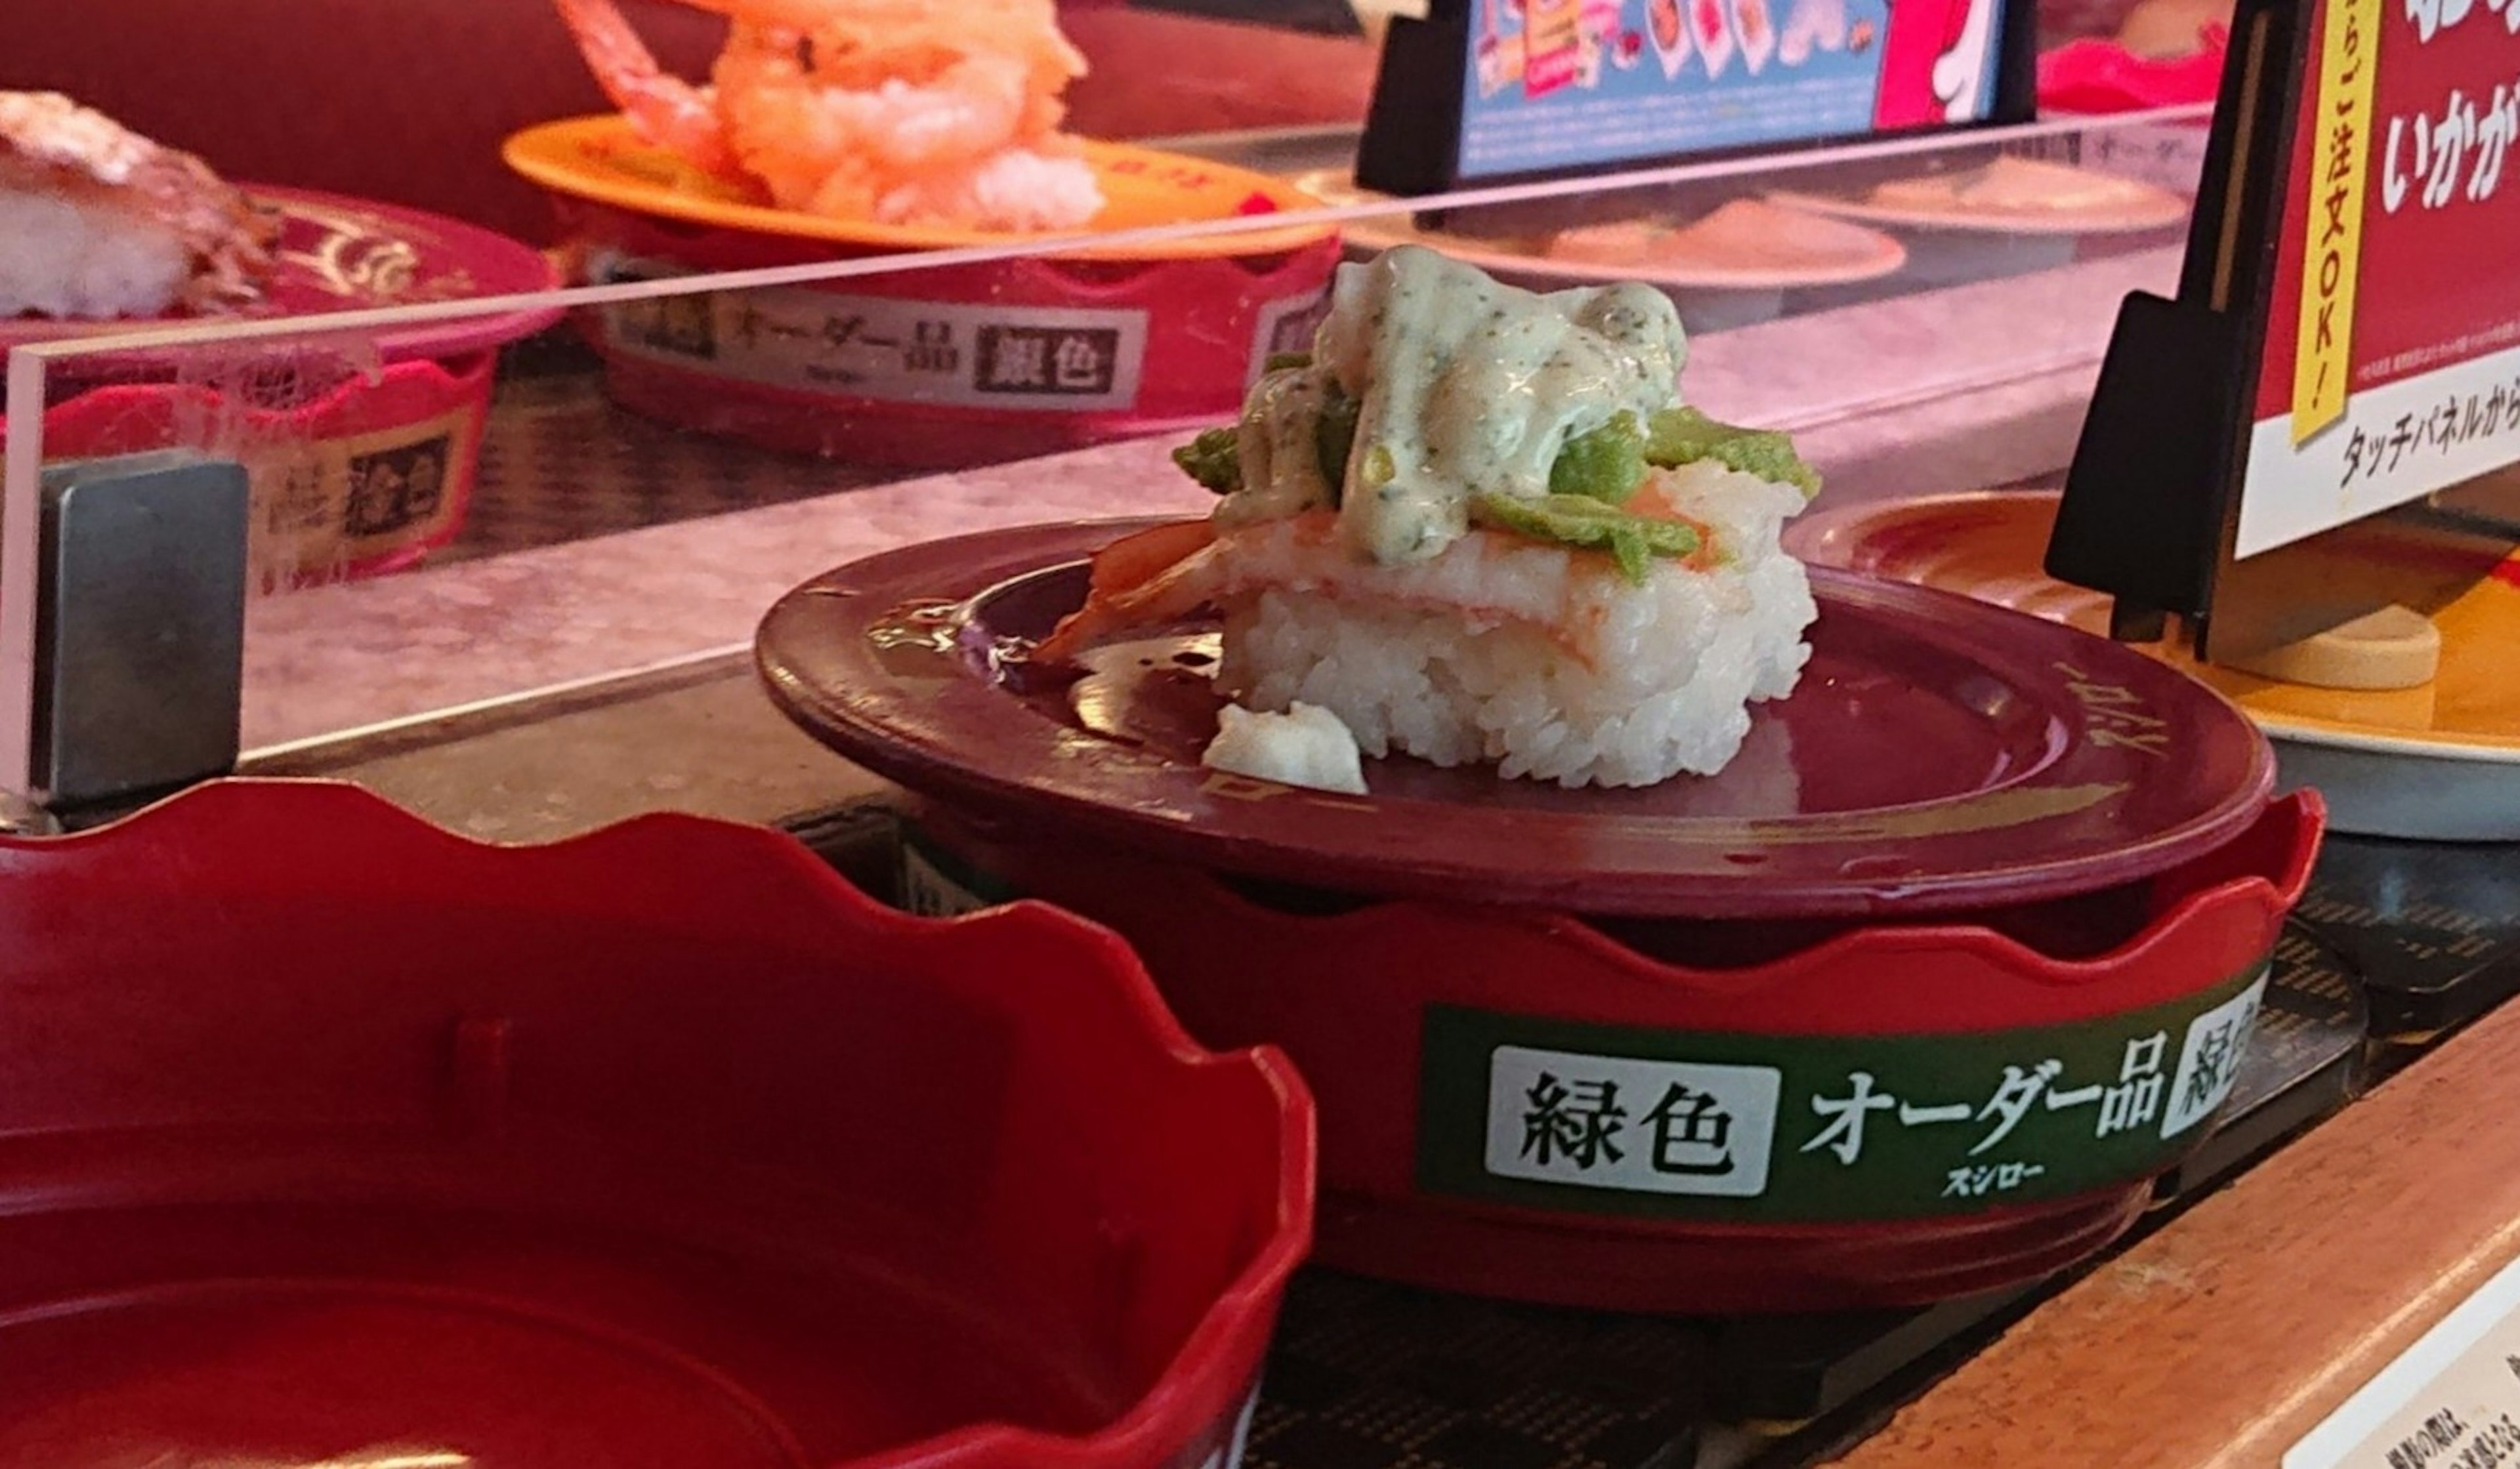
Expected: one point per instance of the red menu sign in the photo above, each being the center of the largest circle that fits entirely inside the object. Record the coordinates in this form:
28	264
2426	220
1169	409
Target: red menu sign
2392	362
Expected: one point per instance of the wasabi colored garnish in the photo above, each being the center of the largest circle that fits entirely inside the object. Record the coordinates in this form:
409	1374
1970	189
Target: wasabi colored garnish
1430	385
1677	436
1607	464
1214	459
1584	523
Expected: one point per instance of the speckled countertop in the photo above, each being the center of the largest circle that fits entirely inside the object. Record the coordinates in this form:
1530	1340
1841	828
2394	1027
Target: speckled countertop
1977	385
703	738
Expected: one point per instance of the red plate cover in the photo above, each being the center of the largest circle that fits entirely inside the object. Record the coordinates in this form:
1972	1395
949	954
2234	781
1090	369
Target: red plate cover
333	1138
1939	756
896	368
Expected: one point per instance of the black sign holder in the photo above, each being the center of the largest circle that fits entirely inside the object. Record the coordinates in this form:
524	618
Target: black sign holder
1412	127
2151	507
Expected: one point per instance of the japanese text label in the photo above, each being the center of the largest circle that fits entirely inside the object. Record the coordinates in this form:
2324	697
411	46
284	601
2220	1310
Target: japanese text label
1593	1119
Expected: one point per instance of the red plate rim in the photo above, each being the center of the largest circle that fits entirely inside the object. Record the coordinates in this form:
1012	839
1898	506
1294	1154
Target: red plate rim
930	719
489	264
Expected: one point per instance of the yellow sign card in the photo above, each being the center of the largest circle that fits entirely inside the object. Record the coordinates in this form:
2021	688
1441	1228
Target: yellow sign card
2332	245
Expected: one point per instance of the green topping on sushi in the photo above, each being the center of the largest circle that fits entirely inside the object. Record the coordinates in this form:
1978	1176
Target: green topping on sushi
1677	436
1585	523
1214	459
1607	464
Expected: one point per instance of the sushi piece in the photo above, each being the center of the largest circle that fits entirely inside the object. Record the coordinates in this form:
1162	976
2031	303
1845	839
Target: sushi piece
1745	235
1813	26
102	222
900	112
1479	527
1670	36
1713	32
2014	186
1758	32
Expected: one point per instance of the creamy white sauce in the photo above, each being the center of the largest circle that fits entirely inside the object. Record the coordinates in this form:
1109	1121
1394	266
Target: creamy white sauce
1463	388
1307	745
1281	464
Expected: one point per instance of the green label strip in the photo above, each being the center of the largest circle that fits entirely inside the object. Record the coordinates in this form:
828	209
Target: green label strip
1589	1119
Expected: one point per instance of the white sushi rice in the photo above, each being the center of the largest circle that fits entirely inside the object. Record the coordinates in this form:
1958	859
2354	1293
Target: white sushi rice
1018	190
1024	190
61	257
1621	685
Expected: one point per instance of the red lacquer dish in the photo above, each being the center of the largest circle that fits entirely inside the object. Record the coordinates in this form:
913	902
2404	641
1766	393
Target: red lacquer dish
1936	756
1912	999
332	1136
362	449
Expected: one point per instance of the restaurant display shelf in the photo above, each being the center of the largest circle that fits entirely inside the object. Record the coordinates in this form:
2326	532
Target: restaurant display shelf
1367	1375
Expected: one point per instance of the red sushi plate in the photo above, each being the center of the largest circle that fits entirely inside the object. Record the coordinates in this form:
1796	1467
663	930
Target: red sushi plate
1938	754
347	254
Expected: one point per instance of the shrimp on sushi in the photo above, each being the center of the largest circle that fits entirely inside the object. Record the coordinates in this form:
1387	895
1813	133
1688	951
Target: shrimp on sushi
1478	527
1476	579
898	111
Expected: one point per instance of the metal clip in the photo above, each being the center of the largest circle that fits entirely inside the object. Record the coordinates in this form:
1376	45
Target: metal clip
140	655
20	817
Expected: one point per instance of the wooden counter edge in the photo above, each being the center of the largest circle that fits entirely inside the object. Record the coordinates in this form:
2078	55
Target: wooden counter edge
2222	1339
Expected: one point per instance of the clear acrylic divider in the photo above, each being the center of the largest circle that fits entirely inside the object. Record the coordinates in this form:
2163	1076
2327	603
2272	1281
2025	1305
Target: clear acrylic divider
463	502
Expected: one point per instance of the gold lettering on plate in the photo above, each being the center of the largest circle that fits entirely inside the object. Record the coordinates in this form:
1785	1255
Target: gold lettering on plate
914	642
357	259
2114	718
1233	787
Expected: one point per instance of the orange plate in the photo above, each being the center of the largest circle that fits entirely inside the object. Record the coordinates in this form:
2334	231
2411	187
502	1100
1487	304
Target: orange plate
1990	545
600	158
2435	763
